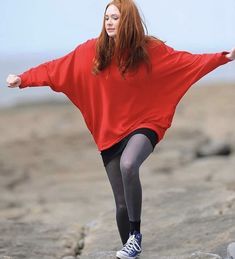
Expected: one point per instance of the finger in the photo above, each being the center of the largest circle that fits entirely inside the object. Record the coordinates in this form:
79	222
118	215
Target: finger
12	84
10	78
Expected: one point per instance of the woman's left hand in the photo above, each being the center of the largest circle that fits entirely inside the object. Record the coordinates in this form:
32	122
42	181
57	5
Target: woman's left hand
231	54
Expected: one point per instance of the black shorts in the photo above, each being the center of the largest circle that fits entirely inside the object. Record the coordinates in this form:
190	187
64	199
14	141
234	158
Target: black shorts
109	153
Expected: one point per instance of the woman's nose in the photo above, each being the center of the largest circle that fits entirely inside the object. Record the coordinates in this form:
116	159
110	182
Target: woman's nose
109	22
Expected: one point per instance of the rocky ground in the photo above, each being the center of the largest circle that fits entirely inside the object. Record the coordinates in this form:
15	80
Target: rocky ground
56	201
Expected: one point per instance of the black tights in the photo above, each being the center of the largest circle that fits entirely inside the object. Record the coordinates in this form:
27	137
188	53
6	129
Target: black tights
123	174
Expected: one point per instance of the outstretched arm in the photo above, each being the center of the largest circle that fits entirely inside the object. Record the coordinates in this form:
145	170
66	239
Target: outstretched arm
57	74
179	70
231	54
186	68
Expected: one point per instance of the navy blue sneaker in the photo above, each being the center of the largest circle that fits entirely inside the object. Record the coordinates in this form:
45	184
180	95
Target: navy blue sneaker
132	248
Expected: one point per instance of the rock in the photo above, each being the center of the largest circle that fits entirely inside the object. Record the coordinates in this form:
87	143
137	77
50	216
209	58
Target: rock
52	178
202	255
189	216
37	240
214	148
99	255
231	251
150	255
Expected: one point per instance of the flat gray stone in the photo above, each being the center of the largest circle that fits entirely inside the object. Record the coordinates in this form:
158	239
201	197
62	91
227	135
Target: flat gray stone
150	255
214	148
203	255
52	178
231	250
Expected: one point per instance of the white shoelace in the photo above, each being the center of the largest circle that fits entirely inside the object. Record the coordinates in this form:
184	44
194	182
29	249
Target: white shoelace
131	245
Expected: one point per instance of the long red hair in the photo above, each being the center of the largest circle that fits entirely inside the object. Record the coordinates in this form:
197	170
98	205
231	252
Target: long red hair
129	46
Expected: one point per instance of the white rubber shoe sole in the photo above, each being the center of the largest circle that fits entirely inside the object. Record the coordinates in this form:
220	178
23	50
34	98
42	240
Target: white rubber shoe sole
120	256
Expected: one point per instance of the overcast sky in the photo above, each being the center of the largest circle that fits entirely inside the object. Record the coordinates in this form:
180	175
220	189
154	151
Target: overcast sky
59	25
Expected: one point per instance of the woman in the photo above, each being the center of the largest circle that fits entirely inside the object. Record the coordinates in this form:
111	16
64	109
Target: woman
127	86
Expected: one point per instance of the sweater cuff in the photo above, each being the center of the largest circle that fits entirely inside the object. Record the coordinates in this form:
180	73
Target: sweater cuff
224	59
23	81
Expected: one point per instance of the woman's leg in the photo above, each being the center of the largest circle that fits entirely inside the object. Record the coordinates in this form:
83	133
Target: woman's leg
136	151
115	178
138	148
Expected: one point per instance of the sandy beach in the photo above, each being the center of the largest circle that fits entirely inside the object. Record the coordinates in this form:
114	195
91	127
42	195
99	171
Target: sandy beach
56	201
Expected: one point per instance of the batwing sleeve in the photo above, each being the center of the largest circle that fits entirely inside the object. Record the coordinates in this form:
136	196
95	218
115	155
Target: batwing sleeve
182	69
59	73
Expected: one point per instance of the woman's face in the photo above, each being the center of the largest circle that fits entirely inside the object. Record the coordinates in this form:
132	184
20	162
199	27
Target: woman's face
112	17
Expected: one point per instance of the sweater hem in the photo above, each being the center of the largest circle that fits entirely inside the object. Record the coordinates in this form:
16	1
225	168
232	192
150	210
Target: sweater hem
159	131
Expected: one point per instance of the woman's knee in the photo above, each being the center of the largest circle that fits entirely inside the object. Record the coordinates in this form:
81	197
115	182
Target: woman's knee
127	165
129	169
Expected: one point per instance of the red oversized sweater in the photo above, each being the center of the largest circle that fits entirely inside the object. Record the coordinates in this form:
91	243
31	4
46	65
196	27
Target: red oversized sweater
112	106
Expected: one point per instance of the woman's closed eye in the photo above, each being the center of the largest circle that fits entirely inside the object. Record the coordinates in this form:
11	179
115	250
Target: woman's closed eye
115	17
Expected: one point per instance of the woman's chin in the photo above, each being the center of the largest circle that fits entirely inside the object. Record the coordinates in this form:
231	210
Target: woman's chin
111	35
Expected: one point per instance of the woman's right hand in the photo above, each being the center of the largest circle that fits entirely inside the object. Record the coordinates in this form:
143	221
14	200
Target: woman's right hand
13	81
